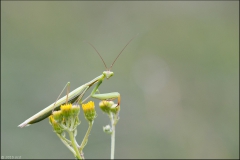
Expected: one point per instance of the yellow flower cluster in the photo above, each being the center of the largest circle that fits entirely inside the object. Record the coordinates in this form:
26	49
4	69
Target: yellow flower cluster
64	117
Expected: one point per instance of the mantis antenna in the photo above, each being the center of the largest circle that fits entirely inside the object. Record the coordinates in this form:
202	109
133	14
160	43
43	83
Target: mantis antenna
98	54
115	58
121	52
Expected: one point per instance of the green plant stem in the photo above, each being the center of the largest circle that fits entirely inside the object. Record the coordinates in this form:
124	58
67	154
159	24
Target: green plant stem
85	139
112	136
72	138
64	140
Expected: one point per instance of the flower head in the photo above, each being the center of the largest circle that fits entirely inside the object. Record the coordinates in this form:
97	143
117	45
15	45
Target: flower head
89	111
66	109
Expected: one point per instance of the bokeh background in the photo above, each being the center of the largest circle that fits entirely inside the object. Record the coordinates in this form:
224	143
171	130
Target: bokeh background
178	79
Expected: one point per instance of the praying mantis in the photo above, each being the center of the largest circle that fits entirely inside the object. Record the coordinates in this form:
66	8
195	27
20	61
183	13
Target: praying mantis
77	94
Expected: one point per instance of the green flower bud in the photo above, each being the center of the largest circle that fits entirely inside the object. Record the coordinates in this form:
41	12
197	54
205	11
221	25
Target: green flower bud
106	106
75	110
107	129
57	116
115	108
56	127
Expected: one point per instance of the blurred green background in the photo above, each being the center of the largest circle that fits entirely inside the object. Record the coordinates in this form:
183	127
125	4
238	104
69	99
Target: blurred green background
178	79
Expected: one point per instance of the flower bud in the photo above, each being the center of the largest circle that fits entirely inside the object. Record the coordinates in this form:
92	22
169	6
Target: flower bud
115	108
106	106
56	127
107	129
57	116
75	110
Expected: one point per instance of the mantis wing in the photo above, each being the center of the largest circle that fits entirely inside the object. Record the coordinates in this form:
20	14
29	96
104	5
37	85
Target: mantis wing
48	110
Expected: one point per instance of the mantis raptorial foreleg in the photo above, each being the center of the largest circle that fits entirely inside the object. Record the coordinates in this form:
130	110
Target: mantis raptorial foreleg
103	96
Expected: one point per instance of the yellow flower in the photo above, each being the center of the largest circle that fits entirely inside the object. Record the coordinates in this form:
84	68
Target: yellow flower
89	111
88	106
66	109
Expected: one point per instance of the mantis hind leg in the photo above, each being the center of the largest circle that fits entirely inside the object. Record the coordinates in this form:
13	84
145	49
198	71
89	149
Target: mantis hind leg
68	88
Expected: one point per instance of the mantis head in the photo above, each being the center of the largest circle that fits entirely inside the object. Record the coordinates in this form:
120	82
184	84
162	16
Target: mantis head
108	74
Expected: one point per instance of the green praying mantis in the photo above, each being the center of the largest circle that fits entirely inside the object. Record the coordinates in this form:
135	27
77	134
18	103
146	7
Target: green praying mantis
77	94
